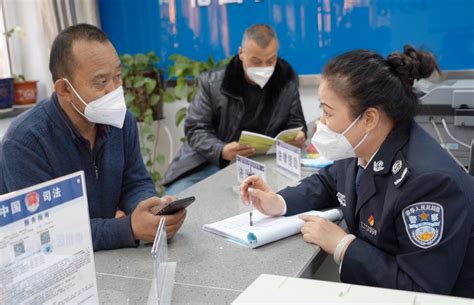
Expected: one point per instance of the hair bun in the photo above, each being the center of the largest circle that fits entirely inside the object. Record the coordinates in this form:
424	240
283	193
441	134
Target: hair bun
412	64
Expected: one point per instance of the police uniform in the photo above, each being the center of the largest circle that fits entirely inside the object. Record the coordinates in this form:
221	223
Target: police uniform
412	215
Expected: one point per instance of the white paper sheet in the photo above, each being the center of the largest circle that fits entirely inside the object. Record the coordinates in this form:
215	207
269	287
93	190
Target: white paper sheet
265	229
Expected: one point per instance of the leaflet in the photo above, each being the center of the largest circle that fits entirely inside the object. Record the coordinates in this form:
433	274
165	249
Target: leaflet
46	253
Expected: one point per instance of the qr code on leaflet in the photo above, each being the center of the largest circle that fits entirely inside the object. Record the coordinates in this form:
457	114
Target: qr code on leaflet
45	238
19	248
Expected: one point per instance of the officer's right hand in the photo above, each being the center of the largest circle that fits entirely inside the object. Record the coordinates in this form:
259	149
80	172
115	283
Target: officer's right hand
233	149
263	198
145	223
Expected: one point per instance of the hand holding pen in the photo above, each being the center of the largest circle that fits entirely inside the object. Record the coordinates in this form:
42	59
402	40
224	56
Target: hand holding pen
257	194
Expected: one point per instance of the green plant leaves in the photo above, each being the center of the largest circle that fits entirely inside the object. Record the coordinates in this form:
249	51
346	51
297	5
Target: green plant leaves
151	138
192	94
160	159
183	70
126	59
150	85
144	92
180	115
135	110
154	99
181	92
145	151
148	117
129	98
138	81
168	97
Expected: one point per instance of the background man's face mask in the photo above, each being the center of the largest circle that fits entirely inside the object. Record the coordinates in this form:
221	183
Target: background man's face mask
109	109
260	75
335	146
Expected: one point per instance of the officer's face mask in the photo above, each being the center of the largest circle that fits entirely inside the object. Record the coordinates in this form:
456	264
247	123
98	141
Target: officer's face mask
260	75
109	109
335	146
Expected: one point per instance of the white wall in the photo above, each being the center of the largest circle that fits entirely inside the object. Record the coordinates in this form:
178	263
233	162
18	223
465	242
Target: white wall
30	54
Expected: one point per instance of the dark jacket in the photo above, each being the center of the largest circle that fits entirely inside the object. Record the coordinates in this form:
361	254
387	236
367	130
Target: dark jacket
42	144
214	116
413	216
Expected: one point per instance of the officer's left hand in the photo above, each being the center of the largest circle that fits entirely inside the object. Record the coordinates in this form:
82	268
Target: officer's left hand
321	232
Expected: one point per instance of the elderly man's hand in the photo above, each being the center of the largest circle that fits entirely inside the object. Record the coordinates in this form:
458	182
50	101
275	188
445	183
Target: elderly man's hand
298	141
145	223
231	150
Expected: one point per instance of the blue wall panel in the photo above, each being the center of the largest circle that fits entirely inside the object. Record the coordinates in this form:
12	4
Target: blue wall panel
310	31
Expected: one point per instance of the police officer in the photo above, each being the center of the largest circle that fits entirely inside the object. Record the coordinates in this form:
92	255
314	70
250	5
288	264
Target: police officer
408	206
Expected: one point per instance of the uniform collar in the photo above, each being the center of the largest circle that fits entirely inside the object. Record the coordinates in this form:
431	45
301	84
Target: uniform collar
360	161
381	161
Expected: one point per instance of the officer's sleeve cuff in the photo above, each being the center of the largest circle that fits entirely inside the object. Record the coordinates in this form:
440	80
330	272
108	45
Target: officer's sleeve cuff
284	204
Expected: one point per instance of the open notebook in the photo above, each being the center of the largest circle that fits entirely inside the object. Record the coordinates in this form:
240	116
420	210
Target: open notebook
265	229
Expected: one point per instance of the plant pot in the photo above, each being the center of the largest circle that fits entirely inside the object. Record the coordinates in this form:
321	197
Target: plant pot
25	94
7	94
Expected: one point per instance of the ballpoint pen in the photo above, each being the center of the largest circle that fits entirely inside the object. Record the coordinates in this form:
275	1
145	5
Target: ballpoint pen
250	206
250	212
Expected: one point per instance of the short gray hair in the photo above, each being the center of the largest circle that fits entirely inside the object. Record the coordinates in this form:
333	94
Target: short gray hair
61	58
262	34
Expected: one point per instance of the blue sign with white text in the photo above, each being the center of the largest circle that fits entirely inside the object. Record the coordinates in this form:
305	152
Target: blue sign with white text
39	200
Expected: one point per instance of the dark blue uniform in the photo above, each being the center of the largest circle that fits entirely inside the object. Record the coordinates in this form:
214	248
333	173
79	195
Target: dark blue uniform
413	215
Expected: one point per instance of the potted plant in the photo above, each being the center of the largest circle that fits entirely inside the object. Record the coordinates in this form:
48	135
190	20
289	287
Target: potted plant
186	71
26	91
143	91
7	94
145	95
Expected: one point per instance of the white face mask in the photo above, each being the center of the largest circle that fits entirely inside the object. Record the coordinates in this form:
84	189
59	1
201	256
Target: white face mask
260	75
332	145
109	109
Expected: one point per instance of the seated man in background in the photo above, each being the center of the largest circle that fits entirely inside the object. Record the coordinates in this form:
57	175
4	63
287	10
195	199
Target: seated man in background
85	125
257	91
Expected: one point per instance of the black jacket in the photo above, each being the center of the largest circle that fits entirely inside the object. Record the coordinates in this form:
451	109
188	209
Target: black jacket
214	116
413	216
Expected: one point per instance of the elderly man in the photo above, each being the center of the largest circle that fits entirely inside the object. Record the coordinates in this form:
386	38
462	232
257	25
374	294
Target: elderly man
257	91
85	126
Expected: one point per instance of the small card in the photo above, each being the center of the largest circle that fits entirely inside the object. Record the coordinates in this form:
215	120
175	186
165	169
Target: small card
247	167
288	159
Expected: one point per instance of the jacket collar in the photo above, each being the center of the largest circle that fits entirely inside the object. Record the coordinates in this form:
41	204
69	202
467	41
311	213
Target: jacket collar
62	121
381	163
234	78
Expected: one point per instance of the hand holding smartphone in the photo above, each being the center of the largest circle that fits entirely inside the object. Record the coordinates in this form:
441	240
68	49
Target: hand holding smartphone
172	207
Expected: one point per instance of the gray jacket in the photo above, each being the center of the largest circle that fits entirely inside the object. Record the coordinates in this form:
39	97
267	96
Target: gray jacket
213	118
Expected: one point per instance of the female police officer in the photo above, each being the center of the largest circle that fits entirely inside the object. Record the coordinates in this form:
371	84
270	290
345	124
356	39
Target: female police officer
408	206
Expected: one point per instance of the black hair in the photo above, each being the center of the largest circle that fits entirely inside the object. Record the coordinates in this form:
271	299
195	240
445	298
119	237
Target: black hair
367	80
262	34
61	59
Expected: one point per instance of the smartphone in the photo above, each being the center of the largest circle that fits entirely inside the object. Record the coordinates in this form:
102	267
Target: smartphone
173	206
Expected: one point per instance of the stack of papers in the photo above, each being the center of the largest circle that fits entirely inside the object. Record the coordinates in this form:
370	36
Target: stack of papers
265	229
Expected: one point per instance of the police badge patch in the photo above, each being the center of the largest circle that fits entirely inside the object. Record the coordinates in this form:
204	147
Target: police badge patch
341	198
424	223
